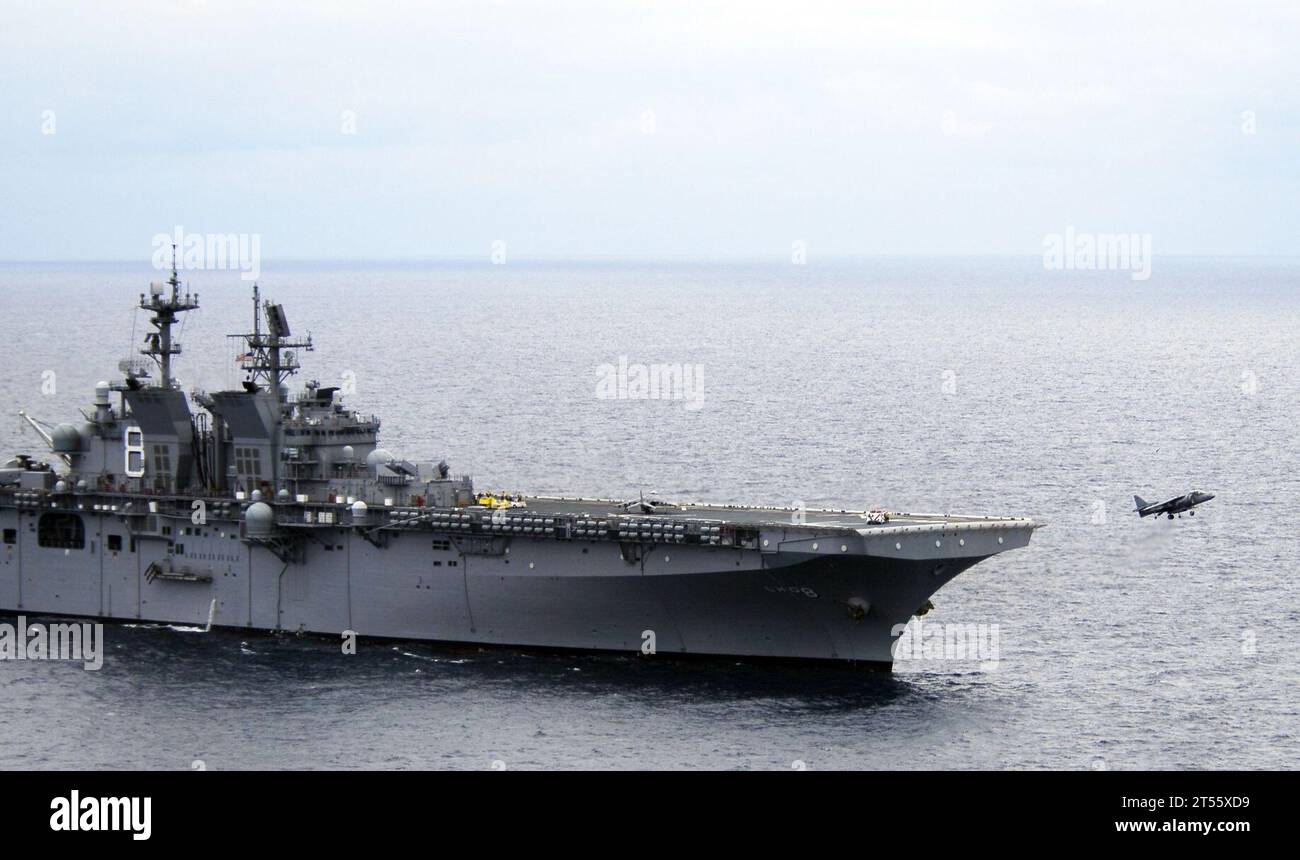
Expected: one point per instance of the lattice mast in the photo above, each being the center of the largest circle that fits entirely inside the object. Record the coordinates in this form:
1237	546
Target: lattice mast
166	308
268	360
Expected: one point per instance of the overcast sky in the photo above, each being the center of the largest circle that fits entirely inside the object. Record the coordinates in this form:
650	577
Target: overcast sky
647	129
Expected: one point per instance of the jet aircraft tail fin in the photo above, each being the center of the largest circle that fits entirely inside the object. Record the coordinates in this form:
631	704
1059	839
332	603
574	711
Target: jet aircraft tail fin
1140	502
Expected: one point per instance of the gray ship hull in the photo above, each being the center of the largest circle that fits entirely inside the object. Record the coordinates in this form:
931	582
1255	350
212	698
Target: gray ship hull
823	604
275	511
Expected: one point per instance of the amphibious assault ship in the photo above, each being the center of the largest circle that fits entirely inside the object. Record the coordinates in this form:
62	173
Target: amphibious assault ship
276	510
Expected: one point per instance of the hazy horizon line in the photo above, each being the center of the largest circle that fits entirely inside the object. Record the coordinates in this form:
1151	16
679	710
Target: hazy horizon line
486	260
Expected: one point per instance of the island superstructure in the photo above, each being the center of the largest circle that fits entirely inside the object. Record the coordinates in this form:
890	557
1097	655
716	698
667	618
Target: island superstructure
275	509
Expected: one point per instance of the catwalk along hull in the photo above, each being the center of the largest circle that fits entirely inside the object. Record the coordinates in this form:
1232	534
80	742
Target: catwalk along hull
795	593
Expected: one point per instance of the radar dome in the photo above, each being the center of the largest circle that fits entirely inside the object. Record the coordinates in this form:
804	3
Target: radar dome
349	454
259	519
378	457
65	439
359	510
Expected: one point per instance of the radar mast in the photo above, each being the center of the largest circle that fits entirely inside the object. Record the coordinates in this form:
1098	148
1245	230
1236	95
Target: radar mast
166	308
267	360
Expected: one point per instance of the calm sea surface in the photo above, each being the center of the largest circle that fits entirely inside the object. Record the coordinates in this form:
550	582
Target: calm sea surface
951	385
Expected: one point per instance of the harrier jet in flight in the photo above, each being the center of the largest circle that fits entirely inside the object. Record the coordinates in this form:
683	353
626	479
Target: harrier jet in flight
1176	505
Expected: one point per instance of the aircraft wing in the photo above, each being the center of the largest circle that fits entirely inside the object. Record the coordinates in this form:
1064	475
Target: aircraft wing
1145	508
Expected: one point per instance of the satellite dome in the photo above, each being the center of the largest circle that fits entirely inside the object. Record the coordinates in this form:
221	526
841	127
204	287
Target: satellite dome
256	495
65	439
282	496
259	519
61	487
359	510
378	457
349	454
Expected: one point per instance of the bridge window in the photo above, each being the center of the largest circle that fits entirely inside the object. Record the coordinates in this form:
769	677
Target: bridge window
162	460
248	462
114	543
61	531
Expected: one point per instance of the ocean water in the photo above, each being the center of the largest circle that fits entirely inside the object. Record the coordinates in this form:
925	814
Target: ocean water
984	385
